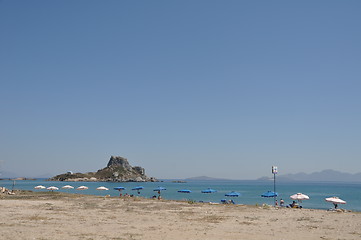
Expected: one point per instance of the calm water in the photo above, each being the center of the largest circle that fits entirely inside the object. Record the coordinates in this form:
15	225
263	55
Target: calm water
250	191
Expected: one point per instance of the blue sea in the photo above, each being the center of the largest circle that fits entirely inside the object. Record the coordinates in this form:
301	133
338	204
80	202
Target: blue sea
250	191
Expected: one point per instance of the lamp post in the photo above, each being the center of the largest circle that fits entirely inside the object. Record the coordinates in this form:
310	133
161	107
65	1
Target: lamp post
274	172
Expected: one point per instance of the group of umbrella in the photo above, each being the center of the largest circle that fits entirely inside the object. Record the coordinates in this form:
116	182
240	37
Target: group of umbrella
53	188
269	194
300	197
158	189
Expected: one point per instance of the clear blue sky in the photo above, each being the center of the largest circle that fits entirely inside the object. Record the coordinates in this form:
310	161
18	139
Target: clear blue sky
181	88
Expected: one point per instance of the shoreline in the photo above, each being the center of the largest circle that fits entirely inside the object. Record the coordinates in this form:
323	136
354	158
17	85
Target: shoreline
55	215
29	194
250	192
111	194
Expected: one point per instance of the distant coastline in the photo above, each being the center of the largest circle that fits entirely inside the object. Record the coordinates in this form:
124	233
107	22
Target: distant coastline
322	176
19	179
206	178
327	175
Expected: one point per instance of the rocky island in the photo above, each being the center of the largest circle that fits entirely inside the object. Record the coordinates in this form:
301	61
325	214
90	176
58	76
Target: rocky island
117	170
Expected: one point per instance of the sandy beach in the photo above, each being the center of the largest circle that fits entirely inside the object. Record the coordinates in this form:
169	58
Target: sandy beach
29	215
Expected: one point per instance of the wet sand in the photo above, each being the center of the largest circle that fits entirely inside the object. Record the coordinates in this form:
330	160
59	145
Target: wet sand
47	215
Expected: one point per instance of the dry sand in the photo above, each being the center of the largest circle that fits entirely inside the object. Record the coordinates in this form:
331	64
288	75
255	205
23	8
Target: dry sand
64	216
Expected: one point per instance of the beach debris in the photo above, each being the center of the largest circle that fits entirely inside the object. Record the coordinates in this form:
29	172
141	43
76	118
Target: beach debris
6	191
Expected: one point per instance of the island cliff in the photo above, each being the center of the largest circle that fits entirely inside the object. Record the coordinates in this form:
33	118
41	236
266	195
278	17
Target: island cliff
118	169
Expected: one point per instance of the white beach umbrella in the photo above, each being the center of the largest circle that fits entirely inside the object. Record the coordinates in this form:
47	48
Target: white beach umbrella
52	188
40	187
67	187
299	197
82	188
335	200
102	188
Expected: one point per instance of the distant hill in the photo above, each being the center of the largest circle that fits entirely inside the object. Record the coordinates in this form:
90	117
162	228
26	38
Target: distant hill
205	178
323	176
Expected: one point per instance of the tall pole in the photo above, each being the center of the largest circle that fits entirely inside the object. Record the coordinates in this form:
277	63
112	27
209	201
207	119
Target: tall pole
274	171
12	190
274	187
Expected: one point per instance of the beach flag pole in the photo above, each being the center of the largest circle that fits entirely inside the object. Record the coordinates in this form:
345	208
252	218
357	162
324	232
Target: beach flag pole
274	171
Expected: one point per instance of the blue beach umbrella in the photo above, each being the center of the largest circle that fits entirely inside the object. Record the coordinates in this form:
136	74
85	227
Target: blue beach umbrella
184	191
269	194
158	189
138	189
119	189
232	194
209	190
